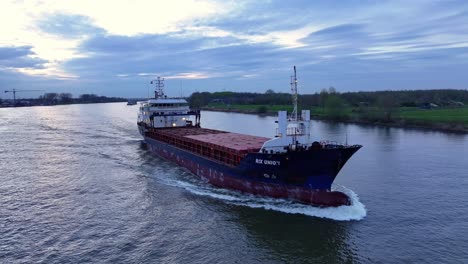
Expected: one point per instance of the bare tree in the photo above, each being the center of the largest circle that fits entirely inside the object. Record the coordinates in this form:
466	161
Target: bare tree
65	98
50	98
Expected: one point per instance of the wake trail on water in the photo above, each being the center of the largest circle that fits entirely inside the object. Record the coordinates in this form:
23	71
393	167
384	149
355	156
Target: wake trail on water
355	211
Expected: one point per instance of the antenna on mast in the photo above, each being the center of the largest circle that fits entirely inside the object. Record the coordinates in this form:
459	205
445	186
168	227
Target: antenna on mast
159	87
180	87
294	94
346	143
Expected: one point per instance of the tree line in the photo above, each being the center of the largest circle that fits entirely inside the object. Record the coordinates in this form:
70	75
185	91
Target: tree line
377	106
408	98
66	98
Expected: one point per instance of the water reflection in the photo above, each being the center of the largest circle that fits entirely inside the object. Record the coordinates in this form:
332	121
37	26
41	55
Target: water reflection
280	237
401	175
77	186
261	116
297	238
456	137
388	138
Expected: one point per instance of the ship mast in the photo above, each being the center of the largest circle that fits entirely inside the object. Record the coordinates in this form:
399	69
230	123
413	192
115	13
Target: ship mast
159	87
294	95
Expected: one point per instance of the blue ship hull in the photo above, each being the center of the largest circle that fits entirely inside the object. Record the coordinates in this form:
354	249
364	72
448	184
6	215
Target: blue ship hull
304	176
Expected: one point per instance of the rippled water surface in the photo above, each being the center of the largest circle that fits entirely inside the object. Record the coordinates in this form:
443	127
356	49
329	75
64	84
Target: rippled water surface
78	186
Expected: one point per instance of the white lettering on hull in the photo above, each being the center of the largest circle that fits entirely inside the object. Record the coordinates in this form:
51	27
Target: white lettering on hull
268	162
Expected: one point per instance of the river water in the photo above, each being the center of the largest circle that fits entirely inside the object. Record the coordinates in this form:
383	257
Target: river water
78	186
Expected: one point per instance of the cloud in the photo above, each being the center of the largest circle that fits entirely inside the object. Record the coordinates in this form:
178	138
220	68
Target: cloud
19	57
55	29
344	30
245	45
170	55
13	52
189	75
150	44
119	17
69	26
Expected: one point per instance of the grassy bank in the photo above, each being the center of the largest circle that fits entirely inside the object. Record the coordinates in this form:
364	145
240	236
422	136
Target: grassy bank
444	115
447	119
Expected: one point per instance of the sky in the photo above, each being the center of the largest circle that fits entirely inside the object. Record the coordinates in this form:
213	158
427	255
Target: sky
117	47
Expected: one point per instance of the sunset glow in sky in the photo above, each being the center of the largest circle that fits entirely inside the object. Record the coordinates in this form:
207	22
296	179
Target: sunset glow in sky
115	47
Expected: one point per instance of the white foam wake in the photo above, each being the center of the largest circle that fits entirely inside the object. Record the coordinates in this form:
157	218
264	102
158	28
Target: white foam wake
355	211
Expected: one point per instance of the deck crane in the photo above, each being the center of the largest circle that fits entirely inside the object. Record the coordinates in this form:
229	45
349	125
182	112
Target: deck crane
14	91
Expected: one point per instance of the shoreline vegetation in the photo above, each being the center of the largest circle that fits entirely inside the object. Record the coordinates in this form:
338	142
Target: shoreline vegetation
442	110
49	99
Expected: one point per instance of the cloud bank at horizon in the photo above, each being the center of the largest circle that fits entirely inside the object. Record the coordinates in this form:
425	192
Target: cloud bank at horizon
115	47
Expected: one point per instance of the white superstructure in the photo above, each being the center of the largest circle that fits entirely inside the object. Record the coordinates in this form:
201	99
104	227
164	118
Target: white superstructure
163	112
292	132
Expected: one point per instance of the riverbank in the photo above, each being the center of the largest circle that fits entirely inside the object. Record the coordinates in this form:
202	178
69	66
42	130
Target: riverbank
454	120
53	104
72	177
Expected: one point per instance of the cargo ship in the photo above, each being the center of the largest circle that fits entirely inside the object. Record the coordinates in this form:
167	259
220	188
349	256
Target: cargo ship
288	166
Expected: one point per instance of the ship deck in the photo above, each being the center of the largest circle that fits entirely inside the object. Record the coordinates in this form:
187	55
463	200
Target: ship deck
223	146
